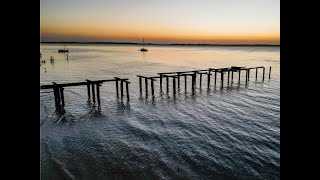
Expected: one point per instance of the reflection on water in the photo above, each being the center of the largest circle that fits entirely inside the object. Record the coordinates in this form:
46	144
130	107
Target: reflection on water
214	133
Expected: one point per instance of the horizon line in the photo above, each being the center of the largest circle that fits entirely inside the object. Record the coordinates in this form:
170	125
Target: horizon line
184	44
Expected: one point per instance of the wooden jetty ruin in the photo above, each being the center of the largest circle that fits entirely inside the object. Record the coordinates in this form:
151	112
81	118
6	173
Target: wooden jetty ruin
93	89
193	74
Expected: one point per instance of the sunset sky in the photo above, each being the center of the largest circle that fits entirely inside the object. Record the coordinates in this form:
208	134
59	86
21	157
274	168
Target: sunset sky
161	21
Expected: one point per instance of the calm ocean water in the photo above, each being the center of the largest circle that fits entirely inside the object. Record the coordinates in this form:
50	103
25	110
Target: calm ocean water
215	133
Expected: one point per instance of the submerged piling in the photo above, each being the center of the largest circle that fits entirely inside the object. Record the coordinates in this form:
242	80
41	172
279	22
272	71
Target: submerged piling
208	78
140	84
88	89
127	88
98	94
117	88
174	84
185	82
221	79
93	94
270	72
167	78
215	77
146	84
263	73
152	87
231	76
62	96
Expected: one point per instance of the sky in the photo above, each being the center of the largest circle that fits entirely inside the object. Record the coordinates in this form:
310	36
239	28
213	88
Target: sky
161	21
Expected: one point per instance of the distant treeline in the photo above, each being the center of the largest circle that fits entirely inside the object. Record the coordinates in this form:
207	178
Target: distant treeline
175	44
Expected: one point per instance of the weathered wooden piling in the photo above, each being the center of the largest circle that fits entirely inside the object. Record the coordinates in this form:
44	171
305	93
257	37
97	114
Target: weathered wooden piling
192	80
239	75
215	77
174	84
257	73
98	93
62	96
152	86
263	73
160	81
55	97
88	89
127	88
249	74
167	78
146	84
270	72
228	76
200	79
221	79
178	81
231	76
246	76
140	84
93	94
209	73
117	87
195	78
185	82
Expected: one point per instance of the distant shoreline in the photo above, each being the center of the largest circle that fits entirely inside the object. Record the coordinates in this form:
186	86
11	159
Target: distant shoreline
174	44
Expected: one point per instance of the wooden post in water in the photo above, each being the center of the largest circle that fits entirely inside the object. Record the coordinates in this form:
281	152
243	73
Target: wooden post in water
246	76
167	78
121	86
88	89
192	80
140	84
209	78
117	87
146	83
160	81
270	72
263	73
215	77
185	82
98	94
62	96
93	94
257	73
239	75
174	85
200	79
231	76
55	97
152	86
178	81
228	76
195	79
221	79
127	88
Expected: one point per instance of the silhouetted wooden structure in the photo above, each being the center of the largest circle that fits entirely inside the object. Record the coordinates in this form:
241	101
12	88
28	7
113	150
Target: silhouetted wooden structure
193	73
93	86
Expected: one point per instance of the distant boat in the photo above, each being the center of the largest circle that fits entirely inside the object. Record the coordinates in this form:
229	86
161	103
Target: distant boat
143	49
64	50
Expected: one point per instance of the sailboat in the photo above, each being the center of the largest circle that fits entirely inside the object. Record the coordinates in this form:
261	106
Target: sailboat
64	50
143	49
